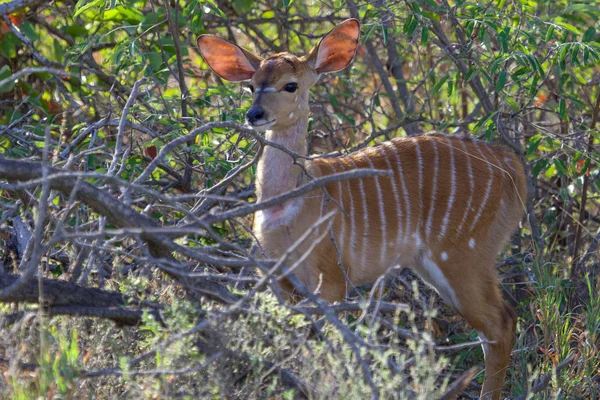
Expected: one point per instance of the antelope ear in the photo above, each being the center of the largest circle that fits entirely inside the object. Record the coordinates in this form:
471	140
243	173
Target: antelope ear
228	60
336	50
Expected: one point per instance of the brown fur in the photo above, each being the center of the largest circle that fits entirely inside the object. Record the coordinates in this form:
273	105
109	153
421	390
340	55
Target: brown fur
447	213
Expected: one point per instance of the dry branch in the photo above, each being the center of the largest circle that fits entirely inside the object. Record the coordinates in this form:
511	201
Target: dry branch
62	293
16	5
544	381
66	298
459	385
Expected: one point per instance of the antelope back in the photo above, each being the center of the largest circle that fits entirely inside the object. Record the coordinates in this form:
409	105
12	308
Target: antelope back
447	197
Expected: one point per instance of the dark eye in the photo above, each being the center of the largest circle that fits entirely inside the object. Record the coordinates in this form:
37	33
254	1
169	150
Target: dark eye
250	88
291	87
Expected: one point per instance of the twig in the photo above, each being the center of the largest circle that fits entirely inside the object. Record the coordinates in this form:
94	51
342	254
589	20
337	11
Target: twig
543	383
312	185
459	384
119	143
584	189
39	248
34	70
15	5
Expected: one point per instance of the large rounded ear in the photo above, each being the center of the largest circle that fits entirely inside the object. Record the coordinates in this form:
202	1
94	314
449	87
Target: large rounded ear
336	50
228	60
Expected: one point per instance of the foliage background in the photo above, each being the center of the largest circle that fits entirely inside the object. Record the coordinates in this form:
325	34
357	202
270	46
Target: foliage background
107	90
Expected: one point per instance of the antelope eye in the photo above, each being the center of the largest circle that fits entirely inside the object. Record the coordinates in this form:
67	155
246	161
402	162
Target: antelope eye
250	88
291	87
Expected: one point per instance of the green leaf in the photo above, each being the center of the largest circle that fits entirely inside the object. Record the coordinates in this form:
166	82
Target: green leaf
5	73
539	166
535	64
27	28
82	7
439	85
586	55
549	33
562	109
568	27
483	121
8	45
586	9
124	13
561	168
431	16
471	73
501	81
575	54
534	143
424	35
242	6
213	7
412	27
514	106
589	35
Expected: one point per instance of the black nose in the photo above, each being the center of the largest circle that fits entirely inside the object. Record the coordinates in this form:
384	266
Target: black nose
254	114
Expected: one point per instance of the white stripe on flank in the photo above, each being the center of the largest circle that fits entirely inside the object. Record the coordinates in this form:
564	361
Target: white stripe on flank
365	243
498	164
395	191
436	162
488	188
405	193
342	239
383	255
452	191
432	274
420	169
471	187
352	219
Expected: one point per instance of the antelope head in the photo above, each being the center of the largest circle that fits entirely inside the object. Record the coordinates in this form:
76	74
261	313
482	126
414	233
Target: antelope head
280	83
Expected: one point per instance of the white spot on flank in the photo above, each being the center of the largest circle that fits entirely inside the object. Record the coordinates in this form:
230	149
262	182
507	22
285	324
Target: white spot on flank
418	241
472	243
444	256
291	115
432	274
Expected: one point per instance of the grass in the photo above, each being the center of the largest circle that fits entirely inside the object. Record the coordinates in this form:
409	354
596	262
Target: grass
252	351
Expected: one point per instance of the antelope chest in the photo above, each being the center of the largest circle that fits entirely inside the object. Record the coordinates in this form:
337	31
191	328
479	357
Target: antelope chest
273	226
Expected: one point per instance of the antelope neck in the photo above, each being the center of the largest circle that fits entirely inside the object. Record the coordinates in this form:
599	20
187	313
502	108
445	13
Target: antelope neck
276	172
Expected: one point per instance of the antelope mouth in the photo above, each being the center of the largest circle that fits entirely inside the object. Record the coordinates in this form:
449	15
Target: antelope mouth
262	125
